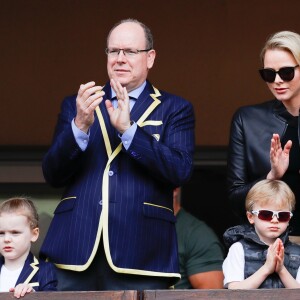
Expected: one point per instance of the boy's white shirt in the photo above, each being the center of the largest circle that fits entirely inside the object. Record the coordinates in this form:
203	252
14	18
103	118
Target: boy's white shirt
234	263
8	278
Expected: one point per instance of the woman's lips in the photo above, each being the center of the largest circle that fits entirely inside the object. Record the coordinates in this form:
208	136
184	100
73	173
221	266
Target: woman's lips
280	91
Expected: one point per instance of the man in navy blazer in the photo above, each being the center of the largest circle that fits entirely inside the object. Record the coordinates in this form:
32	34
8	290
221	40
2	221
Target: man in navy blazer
119	150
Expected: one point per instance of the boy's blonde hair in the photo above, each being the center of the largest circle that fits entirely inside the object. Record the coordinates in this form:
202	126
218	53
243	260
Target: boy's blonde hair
267	191
22	206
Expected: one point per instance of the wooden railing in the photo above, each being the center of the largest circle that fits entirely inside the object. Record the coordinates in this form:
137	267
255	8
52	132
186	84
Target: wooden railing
103	295
262	294
225	294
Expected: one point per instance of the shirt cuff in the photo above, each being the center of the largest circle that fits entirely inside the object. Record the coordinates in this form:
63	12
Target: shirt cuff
82	139
128	135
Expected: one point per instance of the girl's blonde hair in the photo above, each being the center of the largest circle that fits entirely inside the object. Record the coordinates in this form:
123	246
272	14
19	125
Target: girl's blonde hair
22	206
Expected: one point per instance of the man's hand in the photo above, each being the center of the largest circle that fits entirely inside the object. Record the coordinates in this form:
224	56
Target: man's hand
120	116
88	98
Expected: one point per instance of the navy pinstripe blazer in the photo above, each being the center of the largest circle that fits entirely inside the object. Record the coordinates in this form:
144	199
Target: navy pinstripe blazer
39	274
125	196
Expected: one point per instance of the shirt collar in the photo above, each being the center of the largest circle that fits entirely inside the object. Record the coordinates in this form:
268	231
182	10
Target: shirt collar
134	93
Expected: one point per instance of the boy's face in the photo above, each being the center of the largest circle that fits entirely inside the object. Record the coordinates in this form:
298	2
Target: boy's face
268	231
16	237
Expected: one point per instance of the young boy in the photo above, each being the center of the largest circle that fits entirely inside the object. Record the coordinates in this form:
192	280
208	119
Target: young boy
20	271
260	254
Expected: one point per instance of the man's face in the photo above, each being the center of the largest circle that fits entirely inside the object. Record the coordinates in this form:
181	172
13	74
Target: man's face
130	71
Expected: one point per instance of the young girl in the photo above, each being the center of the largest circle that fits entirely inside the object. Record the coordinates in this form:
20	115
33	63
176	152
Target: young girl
20	271
260	254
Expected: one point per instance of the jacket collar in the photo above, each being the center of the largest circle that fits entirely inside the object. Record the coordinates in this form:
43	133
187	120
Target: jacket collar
30	268
247	232
281	111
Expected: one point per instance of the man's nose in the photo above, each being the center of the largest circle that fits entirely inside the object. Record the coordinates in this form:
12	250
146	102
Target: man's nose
121	55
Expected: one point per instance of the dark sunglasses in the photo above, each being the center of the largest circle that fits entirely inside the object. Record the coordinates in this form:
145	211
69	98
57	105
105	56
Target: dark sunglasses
285	73
268	215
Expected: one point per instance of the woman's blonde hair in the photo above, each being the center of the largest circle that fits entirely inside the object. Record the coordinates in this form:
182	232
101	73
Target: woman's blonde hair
285	40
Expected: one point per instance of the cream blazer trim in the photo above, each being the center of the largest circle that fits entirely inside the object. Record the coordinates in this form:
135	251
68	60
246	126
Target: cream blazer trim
164	207
104	131
105	198
103	223
105	183
68	198
35	269
80	268
152	123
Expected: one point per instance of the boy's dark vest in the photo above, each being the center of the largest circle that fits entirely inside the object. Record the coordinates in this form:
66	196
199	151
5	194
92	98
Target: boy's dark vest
255	257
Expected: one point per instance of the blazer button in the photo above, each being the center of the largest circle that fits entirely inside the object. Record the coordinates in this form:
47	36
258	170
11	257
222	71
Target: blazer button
110	173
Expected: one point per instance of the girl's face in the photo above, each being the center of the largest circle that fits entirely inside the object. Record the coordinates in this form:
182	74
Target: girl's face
16	237
286	91
268	231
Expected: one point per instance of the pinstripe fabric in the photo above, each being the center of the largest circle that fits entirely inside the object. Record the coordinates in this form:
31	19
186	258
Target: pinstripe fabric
134	187
39	274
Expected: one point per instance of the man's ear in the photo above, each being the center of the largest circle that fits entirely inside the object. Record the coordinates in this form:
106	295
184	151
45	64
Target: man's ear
250	217
150	58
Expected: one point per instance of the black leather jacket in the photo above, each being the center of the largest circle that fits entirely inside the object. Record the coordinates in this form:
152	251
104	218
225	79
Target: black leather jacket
249	150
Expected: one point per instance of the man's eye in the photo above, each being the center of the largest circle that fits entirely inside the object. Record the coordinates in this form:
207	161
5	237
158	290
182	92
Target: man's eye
130	51
1	232
113	51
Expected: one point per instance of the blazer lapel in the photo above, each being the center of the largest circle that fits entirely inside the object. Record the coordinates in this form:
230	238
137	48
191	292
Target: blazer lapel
29	270
143	107
145	104
109	133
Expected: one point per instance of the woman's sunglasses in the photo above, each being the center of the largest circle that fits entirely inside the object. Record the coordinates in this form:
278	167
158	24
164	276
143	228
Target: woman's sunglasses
285	73
268	215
